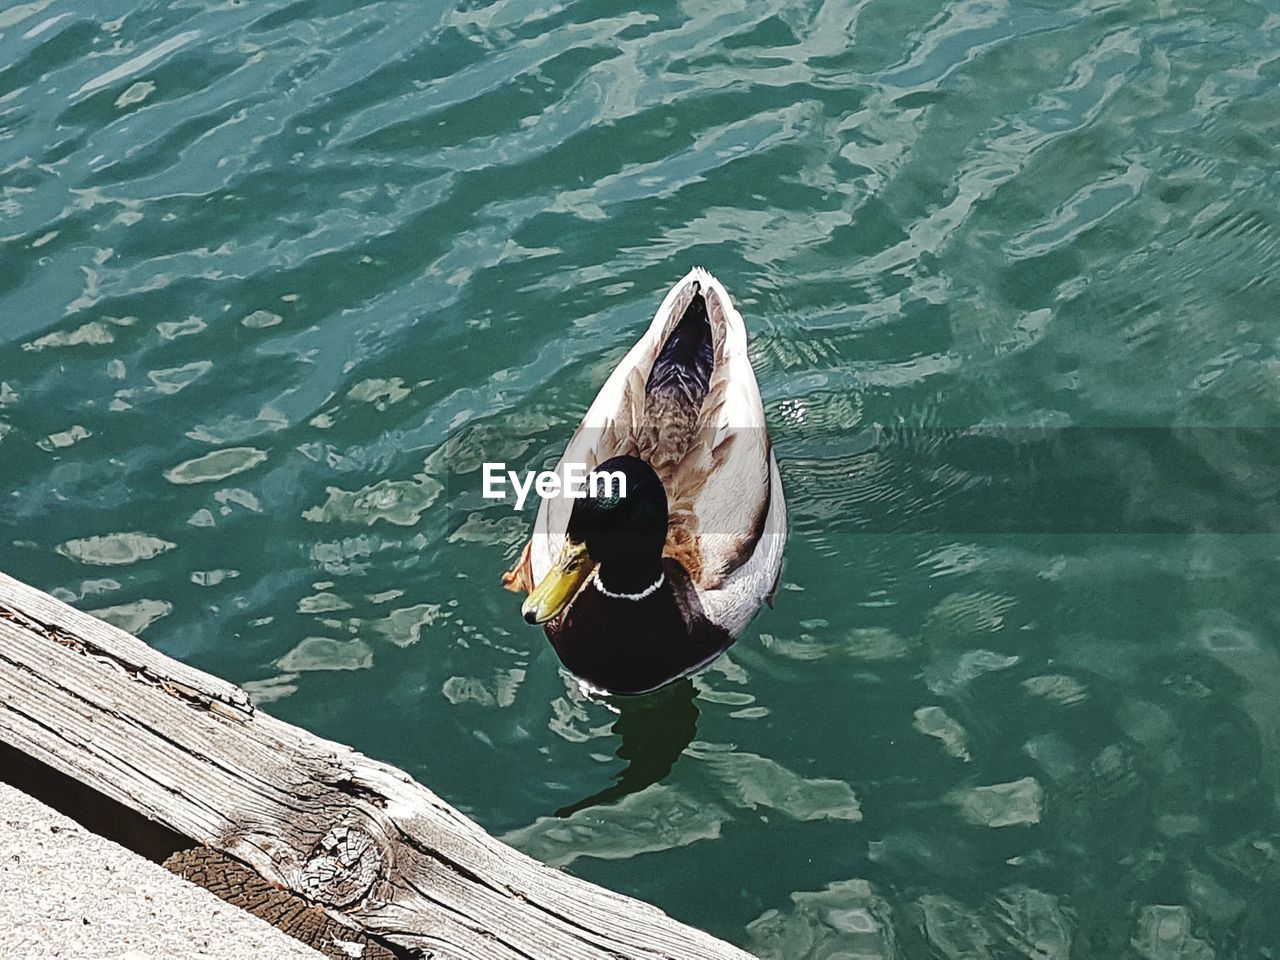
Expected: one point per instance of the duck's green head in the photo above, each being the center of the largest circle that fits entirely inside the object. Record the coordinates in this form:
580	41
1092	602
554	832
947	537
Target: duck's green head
620	526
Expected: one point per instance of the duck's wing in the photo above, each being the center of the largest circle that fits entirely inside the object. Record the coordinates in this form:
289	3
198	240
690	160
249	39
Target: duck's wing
728	483
608	429
720	490
611	427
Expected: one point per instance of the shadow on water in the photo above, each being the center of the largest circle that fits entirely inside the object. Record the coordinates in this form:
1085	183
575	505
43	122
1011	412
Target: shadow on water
654	730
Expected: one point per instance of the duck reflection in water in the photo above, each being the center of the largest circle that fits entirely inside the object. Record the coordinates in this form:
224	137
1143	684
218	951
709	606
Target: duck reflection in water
654	730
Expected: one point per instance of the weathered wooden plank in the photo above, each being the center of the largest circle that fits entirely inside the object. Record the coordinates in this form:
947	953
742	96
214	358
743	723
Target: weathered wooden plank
378	850
129	652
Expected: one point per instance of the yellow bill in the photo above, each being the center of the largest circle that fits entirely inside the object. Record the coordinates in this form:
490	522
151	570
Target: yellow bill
560	585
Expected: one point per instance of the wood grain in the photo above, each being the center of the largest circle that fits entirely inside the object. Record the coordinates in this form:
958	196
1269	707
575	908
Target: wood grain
379	853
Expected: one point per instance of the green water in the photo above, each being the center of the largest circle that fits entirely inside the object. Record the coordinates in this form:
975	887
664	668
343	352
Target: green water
274	278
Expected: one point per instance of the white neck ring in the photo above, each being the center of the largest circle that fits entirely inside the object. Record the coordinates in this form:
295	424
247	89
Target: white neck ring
646	592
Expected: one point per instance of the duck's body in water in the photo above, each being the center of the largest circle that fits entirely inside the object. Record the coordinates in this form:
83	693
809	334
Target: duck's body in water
639	590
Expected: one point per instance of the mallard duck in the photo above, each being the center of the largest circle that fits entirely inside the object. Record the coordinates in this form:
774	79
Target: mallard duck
637	591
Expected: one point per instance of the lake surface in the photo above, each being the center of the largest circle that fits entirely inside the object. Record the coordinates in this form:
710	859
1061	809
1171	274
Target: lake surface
276	278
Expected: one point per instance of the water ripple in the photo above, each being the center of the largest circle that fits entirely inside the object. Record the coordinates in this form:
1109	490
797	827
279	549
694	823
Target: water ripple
337	254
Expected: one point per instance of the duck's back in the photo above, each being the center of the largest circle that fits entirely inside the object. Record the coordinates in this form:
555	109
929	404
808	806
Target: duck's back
676	391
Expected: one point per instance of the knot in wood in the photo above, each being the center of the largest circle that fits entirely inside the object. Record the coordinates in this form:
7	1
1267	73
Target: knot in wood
343	867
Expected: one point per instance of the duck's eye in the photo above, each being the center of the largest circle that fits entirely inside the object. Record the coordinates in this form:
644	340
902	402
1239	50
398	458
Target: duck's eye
606	489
